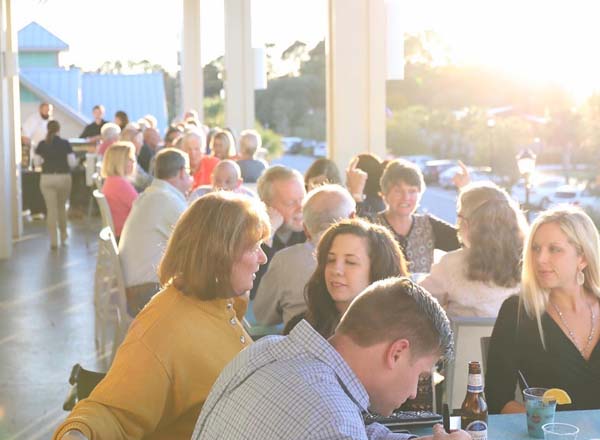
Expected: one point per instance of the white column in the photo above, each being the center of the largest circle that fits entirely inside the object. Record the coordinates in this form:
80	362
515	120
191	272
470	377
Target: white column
192	81
14	113
239	66
6	143
356	71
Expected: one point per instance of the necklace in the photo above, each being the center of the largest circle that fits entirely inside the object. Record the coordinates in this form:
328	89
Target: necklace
571	334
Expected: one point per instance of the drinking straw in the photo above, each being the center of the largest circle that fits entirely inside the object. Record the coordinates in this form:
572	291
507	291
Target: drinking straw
523	379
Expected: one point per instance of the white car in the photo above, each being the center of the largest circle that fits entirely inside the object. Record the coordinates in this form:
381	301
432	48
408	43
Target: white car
575	195
542	189
320	149
477	174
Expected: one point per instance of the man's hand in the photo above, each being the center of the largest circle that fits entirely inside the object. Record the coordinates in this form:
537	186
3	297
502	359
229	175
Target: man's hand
440	434
463	177
355	179
276	221
74	435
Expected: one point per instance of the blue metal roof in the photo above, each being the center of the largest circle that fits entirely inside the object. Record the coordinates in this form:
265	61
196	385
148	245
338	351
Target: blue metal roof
34	38
61	83
137	95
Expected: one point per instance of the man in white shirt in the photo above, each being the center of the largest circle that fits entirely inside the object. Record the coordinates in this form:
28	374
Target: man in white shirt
35	126
149	225
280	295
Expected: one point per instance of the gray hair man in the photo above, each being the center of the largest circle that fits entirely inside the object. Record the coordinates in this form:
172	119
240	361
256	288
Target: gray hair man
282	190
280	295
149	226
304	386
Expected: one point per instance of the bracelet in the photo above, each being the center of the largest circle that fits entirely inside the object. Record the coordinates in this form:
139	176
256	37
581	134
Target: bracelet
358	197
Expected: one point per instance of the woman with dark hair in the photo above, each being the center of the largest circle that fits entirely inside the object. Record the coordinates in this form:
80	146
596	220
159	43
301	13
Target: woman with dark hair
362	179
402	186
57	158
351	255
178	344
121	119
475	280
320	172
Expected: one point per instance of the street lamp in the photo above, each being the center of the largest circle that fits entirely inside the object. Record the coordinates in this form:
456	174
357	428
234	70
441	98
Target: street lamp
526	163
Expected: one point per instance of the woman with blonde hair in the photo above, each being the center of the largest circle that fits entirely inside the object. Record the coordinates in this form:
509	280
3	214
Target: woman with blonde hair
118	165
476	279
178	344
222	146
548	335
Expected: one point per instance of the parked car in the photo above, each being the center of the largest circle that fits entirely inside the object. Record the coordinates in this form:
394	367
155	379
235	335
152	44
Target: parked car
320	149
542	189
290	142
477	174
434	168
578	195
419	159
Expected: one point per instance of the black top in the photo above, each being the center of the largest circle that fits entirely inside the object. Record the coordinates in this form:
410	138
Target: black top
369	207
92	129
295	238
55	156
516	345
145	157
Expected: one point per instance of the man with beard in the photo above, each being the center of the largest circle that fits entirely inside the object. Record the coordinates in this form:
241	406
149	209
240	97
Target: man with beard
35	126
282	190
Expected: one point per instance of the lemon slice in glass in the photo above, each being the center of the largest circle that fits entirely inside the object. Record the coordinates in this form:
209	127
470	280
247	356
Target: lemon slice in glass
561	396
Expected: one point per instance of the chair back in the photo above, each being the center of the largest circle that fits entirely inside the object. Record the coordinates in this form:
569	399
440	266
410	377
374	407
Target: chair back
485	345
107	220
468	332
110	301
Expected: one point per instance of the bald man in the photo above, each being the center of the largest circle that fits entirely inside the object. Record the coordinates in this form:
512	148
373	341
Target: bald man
226	176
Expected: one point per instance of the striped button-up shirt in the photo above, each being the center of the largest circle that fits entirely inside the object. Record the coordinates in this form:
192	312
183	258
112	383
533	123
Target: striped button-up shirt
294	387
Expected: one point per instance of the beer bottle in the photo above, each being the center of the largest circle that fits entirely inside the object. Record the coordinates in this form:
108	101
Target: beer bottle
474	412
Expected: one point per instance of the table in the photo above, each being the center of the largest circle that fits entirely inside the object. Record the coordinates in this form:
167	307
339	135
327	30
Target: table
513	427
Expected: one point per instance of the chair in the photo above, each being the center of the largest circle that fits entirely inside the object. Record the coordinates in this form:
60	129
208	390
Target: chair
468	332
110	301
256	330
104	210
485	345
83	382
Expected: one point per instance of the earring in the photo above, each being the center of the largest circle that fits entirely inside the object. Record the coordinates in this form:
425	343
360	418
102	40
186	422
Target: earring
580	278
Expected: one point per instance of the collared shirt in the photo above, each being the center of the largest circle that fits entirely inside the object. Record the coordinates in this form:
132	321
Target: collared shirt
280	295
294	387
147	229
35	128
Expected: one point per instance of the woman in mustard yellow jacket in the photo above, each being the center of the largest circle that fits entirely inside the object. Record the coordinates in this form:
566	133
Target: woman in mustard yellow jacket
179	343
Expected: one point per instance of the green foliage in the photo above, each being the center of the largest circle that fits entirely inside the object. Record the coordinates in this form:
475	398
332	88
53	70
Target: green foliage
271	141
214	112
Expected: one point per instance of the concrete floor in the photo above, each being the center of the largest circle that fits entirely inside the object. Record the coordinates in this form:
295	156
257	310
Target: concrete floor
46	326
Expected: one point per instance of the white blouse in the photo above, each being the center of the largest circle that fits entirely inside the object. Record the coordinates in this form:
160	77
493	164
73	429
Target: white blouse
460	296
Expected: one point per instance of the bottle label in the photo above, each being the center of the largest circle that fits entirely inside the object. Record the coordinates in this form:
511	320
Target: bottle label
475	384
477	430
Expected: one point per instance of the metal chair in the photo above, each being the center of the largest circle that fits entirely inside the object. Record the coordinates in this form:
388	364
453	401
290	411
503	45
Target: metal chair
82	383
110	301
104	210
468	332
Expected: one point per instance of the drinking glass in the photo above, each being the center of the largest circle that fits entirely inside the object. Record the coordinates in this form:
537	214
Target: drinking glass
560	431
539	411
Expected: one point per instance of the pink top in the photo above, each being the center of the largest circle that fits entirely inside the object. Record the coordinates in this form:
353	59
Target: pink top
120	195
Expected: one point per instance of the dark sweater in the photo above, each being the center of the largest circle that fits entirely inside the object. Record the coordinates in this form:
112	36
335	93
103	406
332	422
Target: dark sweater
516	345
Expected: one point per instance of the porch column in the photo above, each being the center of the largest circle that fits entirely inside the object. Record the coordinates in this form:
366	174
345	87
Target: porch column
239	66
192	80
356	73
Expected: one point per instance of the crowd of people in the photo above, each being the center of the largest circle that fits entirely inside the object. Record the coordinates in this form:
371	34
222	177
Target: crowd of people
206	230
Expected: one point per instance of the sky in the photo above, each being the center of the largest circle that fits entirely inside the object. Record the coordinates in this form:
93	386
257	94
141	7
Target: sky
537	40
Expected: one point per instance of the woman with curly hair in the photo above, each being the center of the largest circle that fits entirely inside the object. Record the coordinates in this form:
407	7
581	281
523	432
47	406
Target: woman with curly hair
476	279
